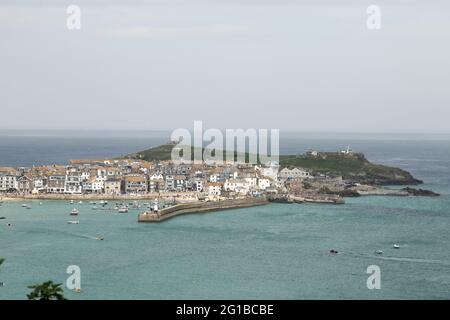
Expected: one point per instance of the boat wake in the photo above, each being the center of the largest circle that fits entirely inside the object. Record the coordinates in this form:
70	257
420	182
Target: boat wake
400	259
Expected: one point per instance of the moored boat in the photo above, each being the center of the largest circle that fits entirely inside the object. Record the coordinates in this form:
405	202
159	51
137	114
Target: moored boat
74	212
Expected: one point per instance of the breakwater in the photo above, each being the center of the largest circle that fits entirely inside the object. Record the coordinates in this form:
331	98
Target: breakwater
199	207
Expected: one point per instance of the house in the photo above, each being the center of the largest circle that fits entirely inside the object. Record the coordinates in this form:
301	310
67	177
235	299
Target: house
237	185
156	182
270	170
136	184
214	189
179	182
197	185
72	184
294	173
263	183
8	182
39	184
56	183
24	184
113	186
170	182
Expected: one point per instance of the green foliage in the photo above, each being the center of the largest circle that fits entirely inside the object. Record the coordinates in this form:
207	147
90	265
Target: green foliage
353	167
46	291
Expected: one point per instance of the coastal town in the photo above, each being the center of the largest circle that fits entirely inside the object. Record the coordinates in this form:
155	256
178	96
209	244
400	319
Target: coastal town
137	178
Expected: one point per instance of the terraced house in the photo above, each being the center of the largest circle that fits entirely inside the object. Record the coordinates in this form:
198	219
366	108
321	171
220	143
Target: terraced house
135	184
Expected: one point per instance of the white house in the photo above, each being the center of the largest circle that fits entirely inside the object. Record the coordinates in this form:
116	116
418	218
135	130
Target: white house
214	189
8	182
287	173
73	182
263	183
237	185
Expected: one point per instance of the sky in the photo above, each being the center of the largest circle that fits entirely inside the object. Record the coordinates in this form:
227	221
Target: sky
277	64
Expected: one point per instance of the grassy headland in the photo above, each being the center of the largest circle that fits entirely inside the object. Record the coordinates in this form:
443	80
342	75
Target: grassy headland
353	166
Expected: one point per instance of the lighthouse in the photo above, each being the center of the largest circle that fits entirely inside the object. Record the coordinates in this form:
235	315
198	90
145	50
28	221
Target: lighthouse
155	206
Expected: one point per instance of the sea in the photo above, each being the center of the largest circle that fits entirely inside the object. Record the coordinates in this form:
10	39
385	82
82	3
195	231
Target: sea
278	251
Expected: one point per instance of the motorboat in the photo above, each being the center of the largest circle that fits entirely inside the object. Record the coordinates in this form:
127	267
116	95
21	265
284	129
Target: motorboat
333	251
74	212
71	201
123	210
73	222
379	252
396	246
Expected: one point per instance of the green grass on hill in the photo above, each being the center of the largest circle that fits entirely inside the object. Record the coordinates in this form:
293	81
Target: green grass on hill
355	167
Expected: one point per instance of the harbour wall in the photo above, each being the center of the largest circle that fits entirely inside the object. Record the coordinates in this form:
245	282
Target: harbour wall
200	207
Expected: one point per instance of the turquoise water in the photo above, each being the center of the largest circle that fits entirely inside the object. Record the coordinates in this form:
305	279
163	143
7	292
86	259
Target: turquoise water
270	252
279	251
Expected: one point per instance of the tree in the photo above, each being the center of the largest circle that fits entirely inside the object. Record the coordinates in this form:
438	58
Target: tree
46	291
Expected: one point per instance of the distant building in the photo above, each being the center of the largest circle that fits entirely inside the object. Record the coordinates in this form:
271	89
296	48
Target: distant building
136	184
113	186
294	173
8	182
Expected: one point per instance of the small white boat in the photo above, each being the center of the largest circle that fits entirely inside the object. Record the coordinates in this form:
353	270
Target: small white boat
396	246
74	212
24	205
379	252
71	201
123	210
73	222
81	202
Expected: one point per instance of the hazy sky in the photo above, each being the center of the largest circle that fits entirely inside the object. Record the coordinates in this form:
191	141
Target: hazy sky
293	65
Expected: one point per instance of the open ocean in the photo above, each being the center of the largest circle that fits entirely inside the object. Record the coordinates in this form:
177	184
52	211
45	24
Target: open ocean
278	251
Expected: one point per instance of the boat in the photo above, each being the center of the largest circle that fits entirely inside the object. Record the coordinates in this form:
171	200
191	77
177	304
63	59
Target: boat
71	201
123	210
81	202
24	205
333	251
94	208
73	222
379	252
396	246
99	238
2	218
74	212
